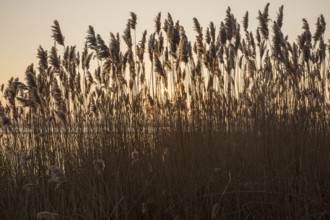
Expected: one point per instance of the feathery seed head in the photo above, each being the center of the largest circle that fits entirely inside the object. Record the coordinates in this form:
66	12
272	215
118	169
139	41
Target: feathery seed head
279	20
133	20
99	165
57	176
144	208
135	154
57	33
246	21
47	215
158	23
91	38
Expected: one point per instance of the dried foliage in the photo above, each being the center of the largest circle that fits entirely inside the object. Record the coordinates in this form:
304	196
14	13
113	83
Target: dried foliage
171	127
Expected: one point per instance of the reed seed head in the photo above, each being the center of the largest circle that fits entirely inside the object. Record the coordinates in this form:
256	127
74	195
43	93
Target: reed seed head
99	165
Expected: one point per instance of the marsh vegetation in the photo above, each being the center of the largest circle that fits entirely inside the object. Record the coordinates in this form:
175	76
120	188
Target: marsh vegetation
231	125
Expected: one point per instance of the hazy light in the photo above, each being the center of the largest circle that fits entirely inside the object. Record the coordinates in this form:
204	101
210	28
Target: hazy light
26	24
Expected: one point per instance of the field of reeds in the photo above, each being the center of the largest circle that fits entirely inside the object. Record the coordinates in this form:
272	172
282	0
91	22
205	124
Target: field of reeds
231	125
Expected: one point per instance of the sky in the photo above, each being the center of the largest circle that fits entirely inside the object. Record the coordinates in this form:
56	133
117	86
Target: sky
25	25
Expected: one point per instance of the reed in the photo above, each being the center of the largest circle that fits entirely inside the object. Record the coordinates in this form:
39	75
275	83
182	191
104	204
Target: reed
232	125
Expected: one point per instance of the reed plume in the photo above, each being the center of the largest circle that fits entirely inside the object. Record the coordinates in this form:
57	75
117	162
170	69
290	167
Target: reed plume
263	22
99	165
158	24
57	33
251	105
91	38
47	215
57	176
133	20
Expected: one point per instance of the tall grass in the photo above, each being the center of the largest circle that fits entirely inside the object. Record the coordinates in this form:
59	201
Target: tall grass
232	125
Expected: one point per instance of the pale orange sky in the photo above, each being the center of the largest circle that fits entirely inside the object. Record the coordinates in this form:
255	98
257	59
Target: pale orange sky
26	24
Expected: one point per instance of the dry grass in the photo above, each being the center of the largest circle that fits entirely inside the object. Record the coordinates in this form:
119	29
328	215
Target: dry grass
225	127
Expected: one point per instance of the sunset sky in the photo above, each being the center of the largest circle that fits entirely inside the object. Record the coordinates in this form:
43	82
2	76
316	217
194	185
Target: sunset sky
26	24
